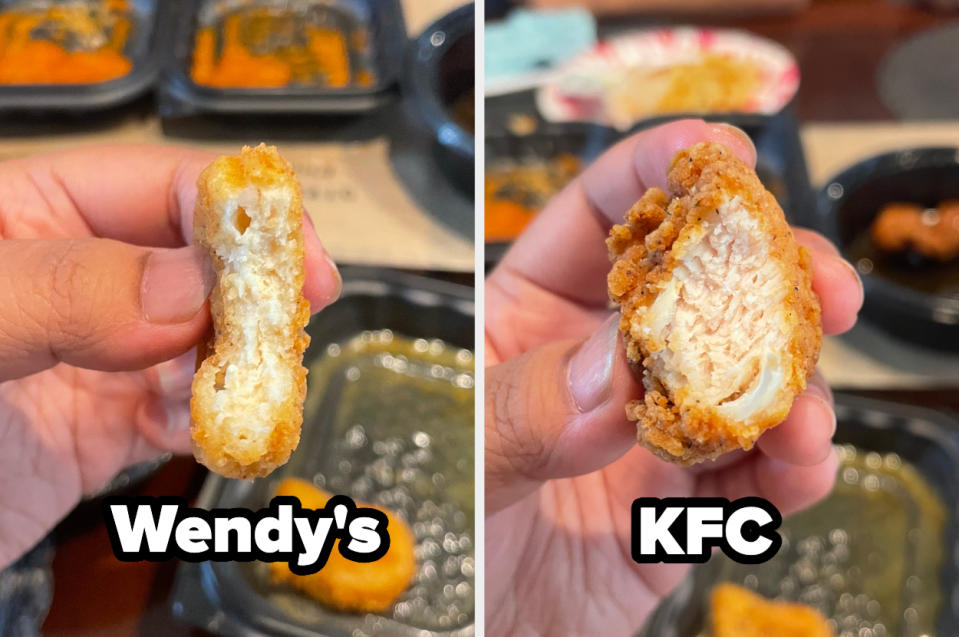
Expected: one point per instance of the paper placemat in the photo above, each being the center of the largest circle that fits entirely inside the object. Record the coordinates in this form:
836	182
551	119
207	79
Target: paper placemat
420	13
866	357
832	147
361	211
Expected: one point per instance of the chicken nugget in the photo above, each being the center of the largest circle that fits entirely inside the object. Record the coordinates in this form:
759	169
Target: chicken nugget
893	227
716	305
248	390
931	232
369	587
738	612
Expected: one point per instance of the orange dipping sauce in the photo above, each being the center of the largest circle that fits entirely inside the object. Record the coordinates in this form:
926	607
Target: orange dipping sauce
69	43
260	48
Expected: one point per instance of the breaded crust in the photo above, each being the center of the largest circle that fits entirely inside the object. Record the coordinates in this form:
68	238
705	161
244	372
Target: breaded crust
736	330
248	390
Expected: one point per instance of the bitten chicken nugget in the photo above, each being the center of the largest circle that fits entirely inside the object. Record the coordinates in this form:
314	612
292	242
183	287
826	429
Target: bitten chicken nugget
369	587
738	612
248	391
717	305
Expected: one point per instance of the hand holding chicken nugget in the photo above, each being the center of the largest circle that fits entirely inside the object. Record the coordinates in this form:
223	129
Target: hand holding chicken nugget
97	254
562	463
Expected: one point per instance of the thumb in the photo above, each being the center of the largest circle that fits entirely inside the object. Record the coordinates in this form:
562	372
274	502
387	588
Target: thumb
98	303
557	411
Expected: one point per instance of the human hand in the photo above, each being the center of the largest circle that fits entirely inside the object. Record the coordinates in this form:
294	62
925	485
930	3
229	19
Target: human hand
100	305
562	463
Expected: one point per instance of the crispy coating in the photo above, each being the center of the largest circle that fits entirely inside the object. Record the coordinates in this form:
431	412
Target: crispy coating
717	306
738	612
370	587
248	391
933	233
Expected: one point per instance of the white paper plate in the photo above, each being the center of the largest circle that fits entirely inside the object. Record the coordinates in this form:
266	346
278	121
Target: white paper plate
576	93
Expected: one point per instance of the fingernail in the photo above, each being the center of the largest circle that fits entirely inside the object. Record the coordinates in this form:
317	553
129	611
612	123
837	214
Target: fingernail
177	415
590	376
336	275
815	394
738	132
819	386
175	284
176	376
855	274
309	221
169	415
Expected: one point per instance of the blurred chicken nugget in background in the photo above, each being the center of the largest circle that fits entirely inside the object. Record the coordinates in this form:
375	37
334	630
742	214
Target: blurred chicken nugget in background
930	232
738	612
346	585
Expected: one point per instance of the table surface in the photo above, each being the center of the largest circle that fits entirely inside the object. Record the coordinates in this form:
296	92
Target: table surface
371	183
839	45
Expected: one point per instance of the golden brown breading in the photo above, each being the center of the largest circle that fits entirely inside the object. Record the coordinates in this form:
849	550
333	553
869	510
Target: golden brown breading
355	587
738	612
248	391
717	304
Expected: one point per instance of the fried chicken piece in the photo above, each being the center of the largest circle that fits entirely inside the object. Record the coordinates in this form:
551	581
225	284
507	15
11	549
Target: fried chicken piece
738	612
933	232
370	587
248	391
717	305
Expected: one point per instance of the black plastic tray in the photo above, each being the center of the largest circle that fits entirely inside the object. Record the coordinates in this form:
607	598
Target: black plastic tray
179	95
440	67
586	141
781	163
847	205
928	440
149	17
26	591
219	597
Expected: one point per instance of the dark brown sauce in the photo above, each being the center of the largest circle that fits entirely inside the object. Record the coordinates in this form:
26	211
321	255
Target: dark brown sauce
464	111
907	269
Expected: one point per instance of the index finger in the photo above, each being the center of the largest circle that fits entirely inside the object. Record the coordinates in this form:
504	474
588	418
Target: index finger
135	193
144	194
564	249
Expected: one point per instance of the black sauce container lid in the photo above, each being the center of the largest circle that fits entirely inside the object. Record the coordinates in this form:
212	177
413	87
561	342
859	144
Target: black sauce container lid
440	67
847	205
